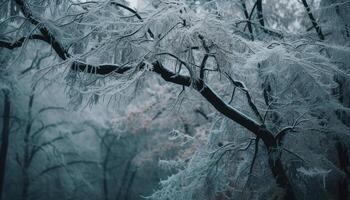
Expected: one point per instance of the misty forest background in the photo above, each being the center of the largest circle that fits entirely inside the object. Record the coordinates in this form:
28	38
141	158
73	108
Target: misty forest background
175	99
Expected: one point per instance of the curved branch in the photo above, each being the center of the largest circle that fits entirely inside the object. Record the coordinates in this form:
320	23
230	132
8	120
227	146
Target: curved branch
135	13
214	99
258	129
48	36
63	165
128	9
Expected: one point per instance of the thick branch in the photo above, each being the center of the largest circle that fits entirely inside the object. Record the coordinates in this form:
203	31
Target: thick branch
258	129
206	56
48	36
225	109
101	69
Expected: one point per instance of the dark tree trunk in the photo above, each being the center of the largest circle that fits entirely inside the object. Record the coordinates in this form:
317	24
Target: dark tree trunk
277	168
279	173
124	179
131	181
343	158
5	140
105	181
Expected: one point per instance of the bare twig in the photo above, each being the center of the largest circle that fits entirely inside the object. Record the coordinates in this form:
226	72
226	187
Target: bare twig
242	87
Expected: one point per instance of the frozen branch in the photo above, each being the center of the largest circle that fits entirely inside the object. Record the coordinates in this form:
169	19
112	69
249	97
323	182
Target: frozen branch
242	87
250	27
313	20
19	42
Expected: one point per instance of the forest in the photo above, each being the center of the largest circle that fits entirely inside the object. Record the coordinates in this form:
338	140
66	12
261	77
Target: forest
175	99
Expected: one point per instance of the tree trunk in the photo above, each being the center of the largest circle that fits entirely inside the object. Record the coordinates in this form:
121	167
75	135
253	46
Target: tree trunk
105	177
278	172
131	181
5	140
26	157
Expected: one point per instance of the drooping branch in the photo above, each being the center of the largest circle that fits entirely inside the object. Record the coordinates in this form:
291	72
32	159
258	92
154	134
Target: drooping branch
258	129
48	36
214	99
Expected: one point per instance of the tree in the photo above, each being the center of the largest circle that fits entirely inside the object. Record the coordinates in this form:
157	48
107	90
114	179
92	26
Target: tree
200	51
4	139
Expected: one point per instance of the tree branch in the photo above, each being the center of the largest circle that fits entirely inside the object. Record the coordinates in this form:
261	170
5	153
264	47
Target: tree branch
241	86
256	150
135	13
258	129
225	109
19	42
205	58
250	28
67	164
260	13
313	20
